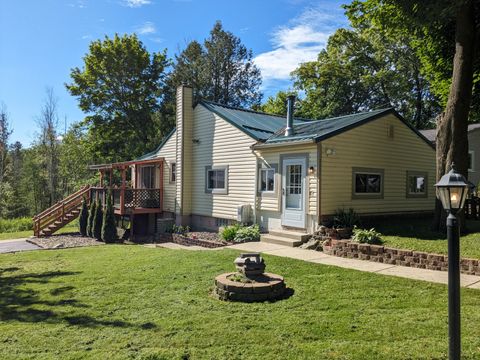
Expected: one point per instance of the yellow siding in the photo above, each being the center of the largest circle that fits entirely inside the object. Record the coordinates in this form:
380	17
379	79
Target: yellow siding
272	156
168	152
370	146
220	144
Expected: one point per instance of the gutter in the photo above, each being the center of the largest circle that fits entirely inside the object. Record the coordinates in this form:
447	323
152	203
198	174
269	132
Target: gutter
282	143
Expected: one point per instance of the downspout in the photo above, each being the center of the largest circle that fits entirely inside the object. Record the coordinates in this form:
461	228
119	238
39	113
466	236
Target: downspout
319	184
255	189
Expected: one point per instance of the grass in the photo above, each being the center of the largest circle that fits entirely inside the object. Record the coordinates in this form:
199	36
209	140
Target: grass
23	234
131	302
415	234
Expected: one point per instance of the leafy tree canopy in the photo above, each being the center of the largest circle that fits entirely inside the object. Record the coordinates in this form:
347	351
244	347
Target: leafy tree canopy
220	70
120	86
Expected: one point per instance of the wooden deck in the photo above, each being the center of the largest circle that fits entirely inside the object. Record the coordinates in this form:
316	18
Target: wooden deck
131	201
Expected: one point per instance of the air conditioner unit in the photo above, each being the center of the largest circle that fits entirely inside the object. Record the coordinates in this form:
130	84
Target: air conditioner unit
244	214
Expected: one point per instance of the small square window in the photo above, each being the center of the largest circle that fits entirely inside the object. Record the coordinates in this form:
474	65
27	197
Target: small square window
417	183
367	183
216	180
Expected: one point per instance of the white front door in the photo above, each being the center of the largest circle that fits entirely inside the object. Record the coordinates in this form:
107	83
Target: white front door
293	192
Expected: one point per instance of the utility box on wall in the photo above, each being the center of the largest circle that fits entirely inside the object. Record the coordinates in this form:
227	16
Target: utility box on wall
244	214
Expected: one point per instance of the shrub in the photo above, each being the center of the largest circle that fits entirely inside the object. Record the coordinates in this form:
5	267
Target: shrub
91	216
83	219
346	219
17	224
181	230
97	221
367	236
109	228
247	233
229	232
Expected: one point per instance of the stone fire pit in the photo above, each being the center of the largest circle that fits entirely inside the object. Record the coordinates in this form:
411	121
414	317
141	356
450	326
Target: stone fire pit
250	283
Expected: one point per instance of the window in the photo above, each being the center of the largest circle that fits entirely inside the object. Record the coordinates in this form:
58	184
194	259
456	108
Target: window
267	180
367	183
216	181
417	183
148	177
173	172
471	160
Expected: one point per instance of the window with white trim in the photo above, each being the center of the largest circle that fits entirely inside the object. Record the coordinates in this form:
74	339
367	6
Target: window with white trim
267	180
216	179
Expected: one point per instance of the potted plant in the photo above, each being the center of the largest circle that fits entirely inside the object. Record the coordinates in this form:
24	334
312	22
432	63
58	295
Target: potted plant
344	222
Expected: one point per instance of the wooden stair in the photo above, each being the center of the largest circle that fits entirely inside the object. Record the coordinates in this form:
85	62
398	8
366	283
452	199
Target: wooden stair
57	216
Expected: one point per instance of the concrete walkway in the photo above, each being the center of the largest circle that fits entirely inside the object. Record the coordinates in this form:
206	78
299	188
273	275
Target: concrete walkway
441	277
9	246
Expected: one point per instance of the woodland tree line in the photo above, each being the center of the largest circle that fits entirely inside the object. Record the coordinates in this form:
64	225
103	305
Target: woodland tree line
395	53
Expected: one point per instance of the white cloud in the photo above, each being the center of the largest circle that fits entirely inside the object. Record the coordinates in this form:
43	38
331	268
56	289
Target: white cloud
136	3
147	27
299	41
85	37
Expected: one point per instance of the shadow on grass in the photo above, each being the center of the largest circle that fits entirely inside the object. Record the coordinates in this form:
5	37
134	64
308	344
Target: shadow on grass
419	228
19	303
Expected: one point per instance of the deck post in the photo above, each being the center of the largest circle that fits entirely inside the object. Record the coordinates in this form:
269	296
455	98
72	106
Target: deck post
122	192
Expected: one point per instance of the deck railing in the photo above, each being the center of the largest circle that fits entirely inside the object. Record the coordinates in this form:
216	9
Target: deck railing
472	208
127	200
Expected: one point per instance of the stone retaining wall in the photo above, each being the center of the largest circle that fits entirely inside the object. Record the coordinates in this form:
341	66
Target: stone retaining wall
387	255
184	240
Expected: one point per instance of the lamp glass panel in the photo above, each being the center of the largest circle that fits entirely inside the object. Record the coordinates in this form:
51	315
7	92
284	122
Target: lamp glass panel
456	197
444	196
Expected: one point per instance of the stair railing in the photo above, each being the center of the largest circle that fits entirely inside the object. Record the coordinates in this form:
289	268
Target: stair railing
58	211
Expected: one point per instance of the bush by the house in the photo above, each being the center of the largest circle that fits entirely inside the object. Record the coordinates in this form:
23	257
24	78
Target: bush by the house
109	228
14	225
178	229
229	232
365	236
97	221
247	233
346	218
83	218
91	217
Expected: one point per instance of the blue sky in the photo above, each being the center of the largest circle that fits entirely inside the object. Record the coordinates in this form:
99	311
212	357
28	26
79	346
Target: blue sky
41	40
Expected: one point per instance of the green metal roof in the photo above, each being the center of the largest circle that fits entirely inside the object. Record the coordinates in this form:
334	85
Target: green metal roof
259	126
321	129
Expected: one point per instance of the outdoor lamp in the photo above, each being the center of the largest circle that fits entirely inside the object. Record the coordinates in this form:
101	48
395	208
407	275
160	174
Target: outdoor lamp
452	191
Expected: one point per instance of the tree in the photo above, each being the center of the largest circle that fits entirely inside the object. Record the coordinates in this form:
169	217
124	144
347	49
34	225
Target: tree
83	219
362	69
222	70
5	188
278	104
446	36
97	221
120	87
48	145
91	217
109	228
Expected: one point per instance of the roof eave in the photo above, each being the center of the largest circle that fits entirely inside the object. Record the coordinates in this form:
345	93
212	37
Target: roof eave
262	145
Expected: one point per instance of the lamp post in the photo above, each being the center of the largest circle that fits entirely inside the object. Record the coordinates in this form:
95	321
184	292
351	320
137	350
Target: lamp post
452	191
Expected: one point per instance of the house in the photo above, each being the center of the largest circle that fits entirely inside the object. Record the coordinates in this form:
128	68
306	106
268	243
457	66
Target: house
473	148
293	174
222	164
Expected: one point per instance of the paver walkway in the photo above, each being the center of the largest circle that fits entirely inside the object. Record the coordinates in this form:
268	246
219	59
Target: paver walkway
441	277
8	246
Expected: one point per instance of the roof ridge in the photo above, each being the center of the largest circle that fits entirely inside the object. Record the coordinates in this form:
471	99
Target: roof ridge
348	115
250	111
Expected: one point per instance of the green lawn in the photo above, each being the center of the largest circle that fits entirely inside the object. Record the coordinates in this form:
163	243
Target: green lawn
415	234
131	302
28	233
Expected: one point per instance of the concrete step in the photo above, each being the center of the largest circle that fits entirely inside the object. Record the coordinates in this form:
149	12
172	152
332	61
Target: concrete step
295	235
280	240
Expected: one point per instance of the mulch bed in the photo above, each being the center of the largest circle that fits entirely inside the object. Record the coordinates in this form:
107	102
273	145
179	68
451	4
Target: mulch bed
205	235
63	241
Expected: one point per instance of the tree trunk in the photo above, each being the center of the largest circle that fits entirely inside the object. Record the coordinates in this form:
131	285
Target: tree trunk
452	134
